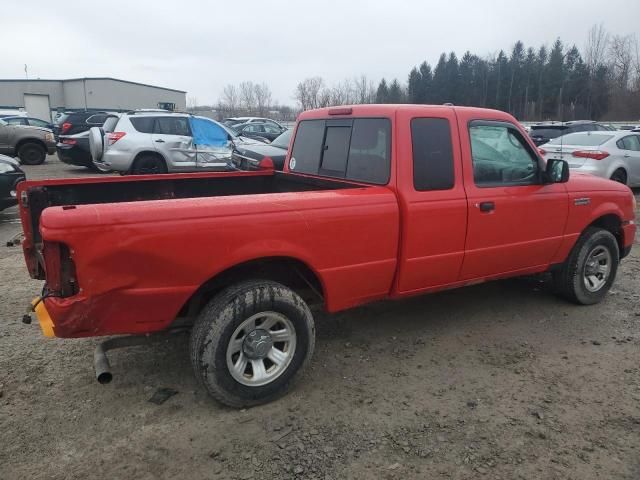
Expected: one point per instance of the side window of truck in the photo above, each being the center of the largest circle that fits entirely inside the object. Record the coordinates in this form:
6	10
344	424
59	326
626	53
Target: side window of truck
355	149
501	156
432	154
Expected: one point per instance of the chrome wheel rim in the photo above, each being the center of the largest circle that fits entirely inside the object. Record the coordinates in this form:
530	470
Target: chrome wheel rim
261	348
597	268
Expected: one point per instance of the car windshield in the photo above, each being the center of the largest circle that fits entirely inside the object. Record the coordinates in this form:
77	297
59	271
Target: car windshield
282	141
588	139
547	132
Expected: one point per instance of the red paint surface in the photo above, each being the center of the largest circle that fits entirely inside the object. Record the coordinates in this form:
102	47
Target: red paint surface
138	263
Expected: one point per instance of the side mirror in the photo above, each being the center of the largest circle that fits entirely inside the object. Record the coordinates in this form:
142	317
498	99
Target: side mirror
557	171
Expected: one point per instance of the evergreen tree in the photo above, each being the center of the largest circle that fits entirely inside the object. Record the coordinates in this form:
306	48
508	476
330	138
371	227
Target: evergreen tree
467	85
516	63
396	95
440	88
453	81
426	77
382	94
555	75
414	87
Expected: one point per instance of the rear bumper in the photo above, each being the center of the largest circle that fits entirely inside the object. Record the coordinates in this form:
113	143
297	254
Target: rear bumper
44	319
74	157
7	202
116	160
126	311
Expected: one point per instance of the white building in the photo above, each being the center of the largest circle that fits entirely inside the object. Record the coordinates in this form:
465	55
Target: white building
42	98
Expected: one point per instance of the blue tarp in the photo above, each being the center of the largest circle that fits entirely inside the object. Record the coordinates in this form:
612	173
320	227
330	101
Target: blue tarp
206	132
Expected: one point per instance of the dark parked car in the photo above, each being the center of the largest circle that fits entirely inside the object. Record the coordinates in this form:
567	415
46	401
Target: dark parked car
249	157
74	149
10	176
545	132
71	123
32	122
268	131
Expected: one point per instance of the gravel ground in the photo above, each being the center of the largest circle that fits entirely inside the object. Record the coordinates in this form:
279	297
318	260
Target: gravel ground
501	380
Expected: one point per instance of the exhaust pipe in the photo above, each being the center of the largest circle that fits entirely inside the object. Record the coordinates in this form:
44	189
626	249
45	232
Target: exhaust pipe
101	361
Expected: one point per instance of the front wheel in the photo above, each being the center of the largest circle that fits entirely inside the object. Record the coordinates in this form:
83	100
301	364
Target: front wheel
591	268
250	342
32	154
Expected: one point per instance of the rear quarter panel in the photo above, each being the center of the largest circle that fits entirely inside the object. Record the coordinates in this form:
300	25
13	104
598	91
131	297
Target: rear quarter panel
138	263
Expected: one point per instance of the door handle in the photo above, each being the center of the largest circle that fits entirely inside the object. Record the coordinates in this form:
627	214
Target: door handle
626	155
159	141
486	206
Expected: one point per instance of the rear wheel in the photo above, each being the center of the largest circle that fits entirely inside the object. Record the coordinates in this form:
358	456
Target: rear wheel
591	268
148	165
31	154
619	176
250	342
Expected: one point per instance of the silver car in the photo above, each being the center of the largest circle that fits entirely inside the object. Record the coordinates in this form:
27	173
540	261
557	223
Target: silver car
148	142
613	155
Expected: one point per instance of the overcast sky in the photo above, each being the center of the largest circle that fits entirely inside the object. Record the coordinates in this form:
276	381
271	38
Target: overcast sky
201	46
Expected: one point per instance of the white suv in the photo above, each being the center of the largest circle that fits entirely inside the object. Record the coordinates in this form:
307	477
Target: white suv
147	142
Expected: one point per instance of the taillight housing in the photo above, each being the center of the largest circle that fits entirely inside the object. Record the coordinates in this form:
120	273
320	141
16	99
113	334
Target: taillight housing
66	126
592	154
60	270
69	141
266	164
113	137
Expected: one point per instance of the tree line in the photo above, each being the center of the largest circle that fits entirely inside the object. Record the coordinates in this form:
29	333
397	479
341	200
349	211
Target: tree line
559	83
600	82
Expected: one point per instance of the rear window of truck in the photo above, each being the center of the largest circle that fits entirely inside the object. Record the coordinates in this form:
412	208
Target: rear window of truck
432	154
355	149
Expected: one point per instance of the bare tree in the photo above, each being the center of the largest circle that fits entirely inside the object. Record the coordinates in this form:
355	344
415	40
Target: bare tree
595	50
341	93
307	92
230	100
324	98
248	96
622	61
364	90
263	98
192	103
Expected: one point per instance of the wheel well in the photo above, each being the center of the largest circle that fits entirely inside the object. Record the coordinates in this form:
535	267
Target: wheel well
621	169
290	272
613	224
30	140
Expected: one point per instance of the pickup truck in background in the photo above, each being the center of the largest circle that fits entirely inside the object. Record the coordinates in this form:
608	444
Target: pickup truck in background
375	202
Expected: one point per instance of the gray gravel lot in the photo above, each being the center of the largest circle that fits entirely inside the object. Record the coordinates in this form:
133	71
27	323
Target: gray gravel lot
501	380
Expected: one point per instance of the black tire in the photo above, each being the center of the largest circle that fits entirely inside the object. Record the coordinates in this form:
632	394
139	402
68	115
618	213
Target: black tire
148	165
619	176
32	154
570	280
219	320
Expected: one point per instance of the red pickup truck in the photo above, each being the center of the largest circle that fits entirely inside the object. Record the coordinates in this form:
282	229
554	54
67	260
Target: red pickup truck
375	202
